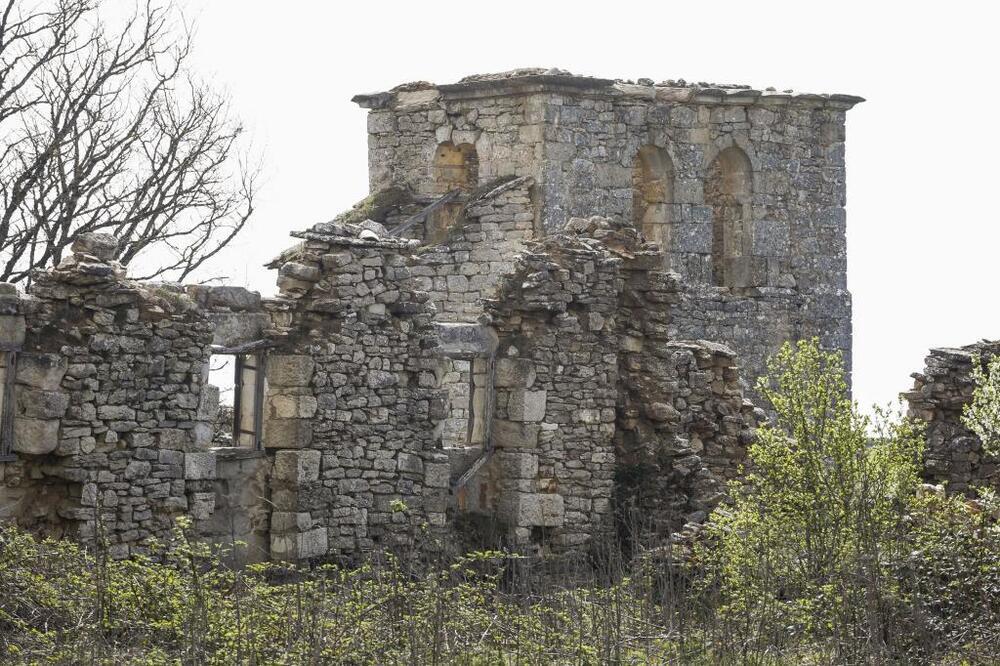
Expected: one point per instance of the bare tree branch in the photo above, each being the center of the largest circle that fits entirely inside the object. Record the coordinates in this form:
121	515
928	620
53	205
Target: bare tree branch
107	130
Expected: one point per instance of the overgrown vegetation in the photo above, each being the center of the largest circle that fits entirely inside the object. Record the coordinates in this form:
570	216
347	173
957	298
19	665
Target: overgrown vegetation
830	552
982	414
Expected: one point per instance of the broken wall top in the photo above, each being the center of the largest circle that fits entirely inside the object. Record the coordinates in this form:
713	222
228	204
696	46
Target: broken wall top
538	80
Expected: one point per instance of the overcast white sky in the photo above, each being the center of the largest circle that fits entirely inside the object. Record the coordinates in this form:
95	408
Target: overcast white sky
922	228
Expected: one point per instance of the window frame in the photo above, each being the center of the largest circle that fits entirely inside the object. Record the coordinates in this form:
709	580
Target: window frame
7	453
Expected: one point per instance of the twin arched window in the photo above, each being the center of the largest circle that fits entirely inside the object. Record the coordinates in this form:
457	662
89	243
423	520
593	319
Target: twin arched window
728	192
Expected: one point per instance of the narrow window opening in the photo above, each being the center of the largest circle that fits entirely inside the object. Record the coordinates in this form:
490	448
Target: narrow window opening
8	368
454	168
729	193
653	194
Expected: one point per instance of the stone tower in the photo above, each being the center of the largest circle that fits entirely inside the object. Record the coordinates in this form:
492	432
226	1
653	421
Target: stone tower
743	190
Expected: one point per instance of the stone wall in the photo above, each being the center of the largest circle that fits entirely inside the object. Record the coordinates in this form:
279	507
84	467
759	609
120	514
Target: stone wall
359	402
478	250
953	455
556	385
683	422
112	417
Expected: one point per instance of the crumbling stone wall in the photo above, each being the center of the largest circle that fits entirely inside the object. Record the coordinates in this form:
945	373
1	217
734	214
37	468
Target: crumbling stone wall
112	421
591	388
468	265
556	391
683	422
356	422
953	455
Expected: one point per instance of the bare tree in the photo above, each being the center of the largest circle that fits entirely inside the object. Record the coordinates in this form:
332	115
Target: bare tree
105	129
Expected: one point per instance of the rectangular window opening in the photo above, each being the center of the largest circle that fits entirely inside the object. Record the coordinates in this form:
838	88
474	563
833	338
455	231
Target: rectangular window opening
240	380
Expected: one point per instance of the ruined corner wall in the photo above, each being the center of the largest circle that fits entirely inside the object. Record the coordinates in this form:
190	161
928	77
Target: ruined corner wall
953	455
556	382
112	421
601	414
683	422
361	401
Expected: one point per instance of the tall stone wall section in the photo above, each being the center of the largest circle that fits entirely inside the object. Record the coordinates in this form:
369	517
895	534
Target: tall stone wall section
361	400
953	455
113	419
556	392
683	422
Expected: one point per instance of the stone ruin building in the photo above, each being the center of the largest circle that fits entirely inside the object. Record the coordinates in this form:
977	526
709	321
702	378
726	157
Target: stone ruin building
546	318
954	455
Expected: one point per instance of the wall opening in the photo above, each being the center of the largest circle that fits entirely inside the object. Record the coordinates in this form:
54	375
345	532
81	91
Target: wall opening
454	168
8	368
729	193
467	384
653	194
240	380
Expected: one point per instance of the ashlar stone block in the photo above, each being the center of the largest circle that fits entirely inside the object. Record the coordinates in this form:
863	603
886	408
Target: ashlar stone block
35	436
297	467
514	373
527	406
41	371
199	465
289	370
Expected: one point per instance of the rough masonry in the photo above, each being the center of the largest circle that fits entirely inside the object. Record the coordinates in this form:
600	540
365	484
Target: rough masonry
546	318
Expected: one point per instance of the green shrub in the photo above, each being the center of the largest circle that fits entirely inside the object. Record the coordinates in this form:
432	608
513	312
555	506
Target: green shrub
801	552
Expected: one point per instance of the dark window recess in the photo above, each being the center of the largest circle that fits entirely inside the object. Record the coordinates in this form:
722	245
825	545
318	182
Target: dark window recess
8	368
248	401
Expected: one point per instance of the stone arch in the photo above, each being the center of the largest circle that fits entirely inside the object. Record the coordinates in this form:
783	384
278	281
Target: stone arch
455	167
729	193
653	194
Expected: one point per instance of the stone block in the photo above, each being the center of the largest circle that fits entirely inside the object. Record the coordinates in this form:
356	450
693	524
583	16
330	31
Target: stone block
100	246
410	463
512	435
284	522
35	436
518	464
289	370
526	406
231	329
41	371
661	411
12	330
291	406
234	298
297	467
40	404
514	373
533	509
199	465
299	546
437	475
287	433
208	403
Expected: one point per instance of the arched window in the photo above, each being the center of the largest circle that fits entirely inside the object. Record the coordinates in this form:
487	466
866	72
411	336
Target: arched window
454	168
653	193
729	193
